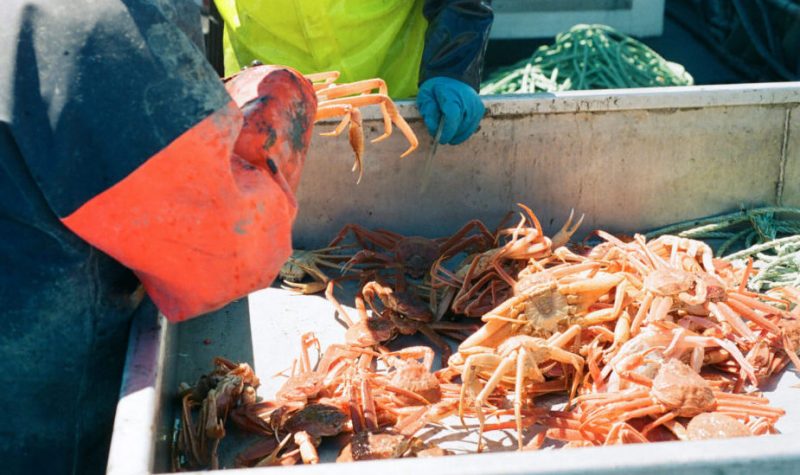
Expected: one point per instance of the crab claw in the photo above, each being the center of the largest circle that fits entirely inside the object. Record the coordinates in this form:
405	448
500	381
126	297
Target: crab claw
346	111
357	142
304	289
565	233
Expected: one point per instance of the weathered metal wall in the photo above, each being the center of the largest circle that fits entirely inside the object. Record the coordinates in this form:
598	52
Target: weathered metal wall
630	160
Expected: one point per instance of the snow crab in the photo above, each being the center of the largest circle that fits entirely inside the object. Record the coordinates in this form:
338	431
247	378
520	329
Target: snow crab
484	280
515	362
295	436
344	100
676	391
402	314
216	395
303	264
412	255
544	302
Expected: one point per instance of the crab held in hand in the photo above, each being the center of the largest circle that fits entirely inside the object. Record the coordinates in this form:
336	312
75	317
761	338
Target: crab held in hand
344	100
332	100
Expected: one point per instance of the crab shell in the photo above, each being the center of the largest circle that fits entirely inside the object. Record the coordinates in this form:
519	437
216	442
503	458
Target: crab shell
680	388
416	378
379	445
668	282
318	420
291	271
714	425
416	255
370	332
545	307
407	305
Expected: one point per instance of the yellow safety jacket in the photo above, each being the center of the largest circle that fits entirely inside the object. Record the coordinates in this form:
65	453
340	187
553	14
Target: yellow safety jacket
360	38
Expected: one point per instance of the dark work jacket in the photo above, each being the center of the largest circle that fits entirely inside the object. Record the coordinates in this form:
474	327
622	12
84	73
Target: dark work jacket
117	169
456	39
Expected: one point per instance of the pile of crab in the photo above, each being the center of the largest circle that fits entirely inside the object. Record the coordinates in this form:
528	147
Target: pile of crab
377	399
624	342
649	341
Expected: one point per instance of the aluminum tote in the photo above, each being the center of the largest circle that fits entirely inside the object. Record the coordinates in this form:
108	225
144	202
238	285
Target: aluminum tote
631	160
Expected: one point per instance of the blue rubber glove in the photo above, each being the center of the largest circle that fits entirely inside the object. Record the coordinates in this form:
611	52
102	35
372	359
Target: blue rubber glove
454	100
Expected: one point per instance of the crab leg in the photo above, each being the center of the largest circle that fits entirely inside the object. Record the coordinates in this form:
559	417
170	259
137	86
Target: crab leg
565	233
746	306
360	87
308	452
470	383
329	111
518	391
352	116
342	313
391	112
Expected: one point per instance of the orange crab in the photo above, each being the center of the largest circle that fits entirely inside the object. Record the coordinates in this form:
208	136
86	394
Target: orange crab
335	100
484	280
676	391
402	314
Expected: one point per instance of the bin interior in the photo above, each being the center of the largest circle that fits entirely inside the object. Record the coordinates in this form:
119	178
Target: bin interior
265	330
631	160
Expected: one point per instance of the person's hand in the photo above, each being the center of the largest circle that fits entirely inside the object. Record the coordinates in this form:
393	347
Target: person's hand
453	101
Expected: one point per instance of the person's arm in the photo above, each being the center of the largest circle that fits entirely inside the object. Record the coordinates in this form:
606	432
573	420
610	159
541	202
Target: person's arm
455	43
209	218
136	147
452	61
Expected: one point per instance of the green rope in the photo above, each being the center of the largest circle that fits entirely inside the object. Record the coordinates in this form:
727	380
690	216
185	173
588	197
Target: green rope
781	269
587	57
731	241
687	228
771	235
762	247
